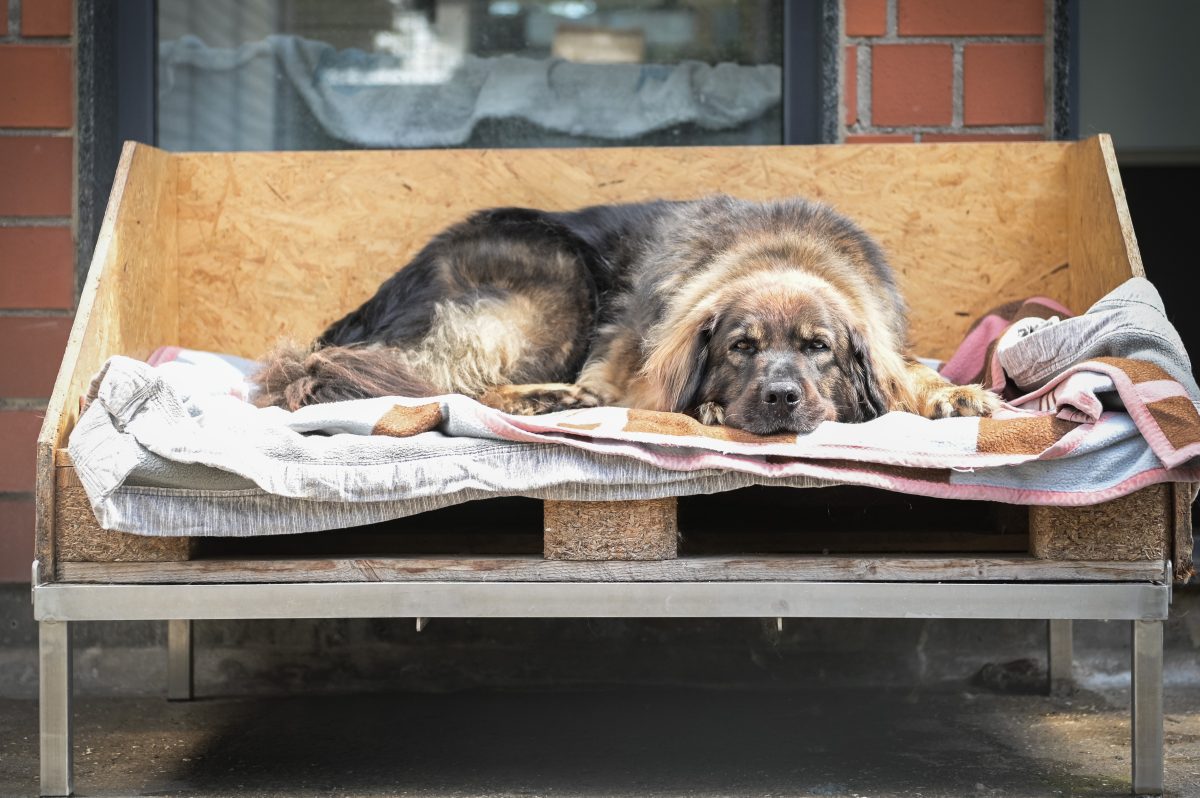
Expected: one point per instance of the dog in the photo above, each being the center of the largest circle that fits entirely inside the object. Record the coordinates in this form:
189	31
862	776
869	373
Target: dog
766	316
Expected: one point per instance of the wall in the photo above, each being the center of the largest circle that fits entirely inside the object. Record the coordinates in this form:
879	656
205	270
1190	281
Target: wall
1134	71
946	70
37	277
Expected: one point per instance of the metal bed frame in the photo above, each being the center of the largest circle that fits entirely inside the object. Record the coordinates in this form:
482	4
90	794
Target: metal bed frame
1144	604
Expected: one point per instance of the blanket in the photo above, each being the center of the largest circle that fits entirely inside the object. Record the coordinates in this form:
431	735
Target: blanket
161	451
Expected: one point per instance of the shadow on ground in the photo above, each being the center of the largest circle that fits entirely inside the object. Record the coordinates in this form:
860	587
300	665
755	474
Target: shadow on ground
837	742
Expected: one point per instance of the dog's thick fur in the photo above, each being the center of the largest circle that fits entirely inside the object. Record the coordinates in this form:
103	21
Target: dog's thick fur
765	316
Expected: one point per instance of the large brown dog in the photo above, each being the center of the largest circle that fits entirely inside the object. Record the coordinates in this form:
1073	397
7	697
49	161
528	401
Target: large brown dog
770	317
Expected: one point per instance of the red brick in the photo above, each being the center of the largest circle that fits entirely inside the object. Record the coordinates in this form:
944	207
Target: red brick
18	439
17	518
35	86
865	17
37	268
3	17
912	84
31	349
1003	84
37	176
880	138
850	85
941	137
46	17
970	18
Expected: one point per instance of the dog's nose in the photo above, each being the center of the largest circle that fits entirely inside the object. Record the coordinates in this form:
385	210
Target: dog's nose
781	396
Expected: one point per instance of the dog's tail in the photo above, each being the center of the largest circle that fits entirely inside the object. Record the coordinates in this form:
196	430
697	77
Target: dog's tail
294	376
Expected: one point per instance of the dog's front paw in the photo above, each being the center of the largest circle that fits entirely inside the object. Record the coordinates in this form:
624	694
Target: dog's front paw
711	413
961	400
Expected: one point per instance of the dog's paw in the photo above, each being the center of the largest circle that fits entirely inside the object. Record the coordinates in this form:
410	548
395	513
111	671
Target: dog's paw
533	400
961	400
711	413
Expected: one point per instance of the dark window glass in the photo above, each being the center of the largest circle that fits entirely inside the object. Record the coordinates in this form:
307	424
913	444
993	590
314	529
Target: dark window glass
319	74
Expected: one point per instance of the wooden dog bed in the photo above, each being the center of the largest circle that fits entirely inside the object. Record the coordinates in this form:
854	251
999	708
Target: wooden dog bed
229	251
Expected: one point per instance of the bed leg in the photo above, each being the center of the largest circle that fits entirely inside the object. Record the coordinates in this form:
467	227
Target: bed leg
179	661
54	706
1146	704
1059	656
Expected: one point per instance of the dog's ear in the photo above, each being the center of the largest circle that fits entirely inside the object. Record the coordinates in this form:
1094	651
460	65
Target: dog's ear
872	401
676	364
689	397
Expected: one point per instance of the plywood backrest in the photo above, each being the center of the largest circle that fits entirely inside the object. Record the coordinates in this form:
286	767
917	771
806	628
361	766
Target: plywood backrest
1102	248
280	244
130	301
129	306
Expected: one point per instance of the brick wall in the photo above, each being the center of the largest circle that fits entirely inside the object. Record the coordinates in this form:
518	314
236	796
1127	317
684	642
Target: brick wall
945	70
37	267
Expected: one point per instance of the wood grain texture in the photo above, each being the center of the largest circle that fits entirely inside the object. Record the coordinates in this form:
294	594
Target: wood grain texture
685	569
826	539
129	306
629	530
1103	248
296	240
80	538
1131	528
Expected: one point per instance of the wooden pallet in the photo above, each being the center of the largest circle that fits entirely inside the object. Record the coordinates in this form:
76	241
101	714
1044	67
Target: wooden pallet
1128	538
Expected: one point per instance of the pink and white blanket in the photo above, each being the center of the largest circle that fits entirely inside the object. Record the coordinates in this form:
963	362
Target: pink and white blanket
1098	406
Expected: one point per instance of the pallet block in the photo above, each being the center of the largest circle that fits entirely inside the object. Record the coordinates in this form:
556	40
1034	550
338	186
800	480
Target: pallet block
82	539
634	530
1132	528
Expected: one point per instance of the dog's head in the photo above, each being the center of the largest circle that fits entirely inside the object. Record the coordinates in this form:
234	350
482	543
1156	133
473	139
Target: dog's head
768	357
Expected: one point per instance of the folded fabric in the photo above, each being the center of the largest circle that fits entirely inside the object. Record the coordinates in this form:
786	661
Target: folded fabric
1020	346
159	456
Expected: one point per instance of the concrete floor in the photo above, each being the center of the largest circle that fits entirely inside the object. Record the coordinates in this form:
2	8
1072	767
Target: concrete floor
646	708
942	742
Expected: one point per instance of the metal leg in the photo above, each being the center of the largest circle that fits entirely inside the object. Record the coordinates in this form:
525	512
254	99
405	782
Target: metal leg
179	661
54	689
1059	655
1146	702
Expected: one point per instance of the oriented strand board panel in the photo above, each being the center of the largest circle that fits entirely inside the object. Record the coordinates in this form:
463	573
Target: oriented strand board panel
1103	249
281	244
130	302
129	306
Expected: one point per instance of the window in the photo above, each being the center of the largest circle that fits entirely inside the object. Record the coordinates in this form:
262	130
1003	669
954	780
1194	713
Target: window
307	74
292	74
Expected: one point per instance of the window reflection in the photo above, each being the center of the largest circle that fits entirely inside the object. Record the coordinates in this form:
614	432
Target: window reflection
307	74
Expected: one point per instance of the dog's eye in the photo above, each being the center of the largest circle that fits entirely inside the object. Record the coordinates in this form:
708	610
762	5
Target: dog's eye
818	346
744	346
